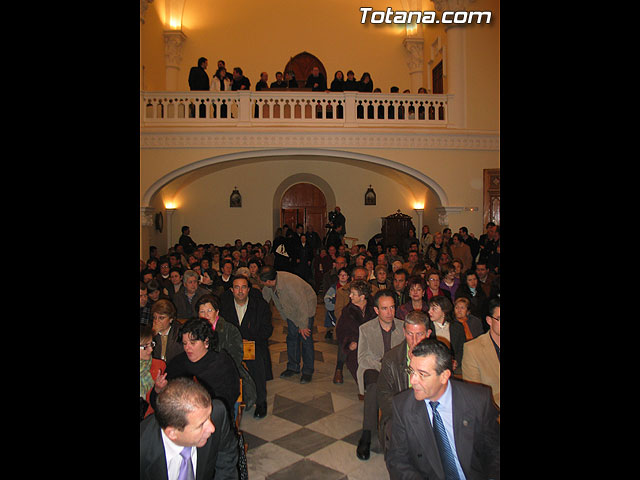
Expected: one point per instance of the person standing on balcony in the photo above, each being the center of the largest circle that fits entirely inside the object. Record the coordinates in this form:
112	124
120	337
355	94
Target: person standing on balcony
198	78
279	83
264	76
240	82
221	81
316	81
290	79
366	83
221	65
337	85
351	84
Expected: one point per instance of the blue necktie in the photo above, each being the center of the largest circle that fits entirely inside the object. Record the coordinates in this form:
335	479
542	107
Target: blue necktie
446	454
186	468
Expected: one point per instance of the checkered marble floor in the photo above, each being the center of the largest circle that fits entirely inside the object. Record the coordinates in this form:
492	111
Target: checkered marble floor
311	431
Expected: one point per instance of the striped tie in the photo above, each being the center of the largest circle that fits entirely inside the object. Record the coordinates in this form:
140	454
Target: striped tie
446	454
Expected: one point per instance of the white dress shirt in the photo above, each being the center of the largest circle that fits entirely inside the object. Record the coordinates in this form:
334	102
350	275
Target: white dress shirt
241	310
173	458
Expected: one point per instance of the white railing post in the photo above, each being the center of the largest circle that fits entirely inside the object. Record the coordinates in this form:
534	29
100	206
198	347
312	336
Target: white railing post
350	109
244	108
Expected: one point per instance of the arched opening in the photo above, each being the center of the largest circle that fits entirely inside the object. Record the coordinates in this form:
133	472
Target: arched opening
302	64
288	152
304	203
199	191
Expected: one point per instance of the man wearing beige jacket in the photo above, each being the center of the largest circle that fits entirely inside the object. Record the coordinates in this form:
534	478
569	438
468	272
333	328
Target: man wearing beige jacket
481	358
296	301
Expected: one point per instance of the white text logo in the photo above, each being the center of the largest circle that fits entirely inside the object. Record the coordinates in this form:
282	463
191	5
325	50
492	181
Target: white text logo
404	17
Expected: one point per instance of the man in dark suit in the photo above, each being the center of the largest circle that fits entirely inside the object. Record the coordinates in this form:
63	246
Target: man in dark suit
198	78
442	428
246	309
188	431
186	241
393	378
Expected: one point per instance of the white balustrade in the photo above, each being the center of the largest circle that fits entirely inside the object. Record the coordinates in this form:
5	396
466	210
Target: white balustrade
293	108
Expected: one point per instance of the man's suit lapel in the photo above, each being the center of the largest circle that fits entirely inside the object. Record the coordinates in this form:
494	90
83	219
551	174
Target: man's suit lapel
491	356
419	418
157	464
250	313
234	314
463	426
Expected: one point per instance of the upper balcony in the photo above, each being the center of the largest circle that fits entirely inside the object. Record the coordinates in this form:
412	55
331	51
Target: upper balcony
293	108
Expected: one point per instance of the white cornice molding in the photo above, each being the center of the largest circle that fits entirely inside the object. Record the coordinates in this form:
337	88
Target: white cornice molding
421	140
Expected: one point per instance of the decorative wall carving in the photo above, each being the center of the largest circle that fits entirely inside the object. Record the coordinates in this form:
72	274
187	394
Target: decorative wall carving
144	4
414	48
173	43
420	140
147	216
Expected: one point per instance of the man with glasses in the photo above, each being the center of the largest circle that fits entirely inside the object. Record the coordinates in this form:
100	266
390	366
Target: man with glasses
481	359
442	427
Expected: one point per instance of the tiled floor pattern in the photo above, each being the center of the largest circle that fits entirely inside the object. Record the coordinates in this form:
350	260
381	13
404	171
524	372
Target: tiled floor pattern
311	431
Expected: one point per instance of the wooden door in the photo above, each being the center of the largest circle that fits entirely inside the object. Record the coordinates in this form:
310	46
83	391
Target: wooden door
306	204
302	65
491	196
438	86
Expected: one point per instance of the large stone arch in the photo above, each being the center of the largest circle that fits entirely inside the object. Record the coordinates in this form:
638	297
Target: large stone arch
287	152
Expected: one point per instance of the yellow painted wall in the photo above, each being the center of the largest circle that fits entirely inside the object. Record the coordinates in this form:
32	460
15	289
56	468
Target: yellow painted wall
152	48
202	197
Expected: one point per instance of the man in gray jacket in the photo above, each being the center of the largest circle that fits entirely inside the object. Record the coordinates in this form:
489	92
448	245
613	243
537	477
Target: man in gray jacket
296	301
376	337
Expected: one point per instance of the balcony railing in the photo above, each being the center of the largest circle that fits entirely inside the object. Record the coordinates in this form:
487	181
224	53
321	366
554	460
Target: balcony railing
292	108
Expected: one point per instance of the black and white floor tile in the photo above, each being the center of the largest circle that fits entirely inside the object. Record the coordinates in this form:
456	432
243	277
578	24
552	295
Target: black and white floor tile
311	430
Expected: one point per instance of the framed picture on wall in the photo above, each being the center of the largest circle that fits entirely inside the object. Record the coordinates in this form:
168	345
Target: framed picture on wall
236	199
370	197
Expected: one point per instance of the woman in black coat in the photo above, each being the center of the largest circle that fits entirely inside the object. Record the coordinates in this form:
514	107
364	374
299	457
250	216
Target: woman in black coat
446	329
470	289
366	83
215	371
337	84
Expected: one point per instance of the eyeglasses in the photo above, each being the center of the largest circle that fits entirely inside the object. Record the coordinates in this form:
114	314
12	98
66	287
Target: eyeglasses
410	371
146	345
498	319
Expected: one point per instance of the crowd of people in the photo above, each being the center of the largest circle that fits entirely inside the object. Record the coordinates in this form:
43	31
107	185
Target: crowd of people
422	316
224	80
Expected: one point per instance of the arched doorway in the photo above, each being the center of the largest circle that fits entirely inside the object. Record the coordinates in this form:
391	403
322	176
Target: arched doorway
306	204
302	64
